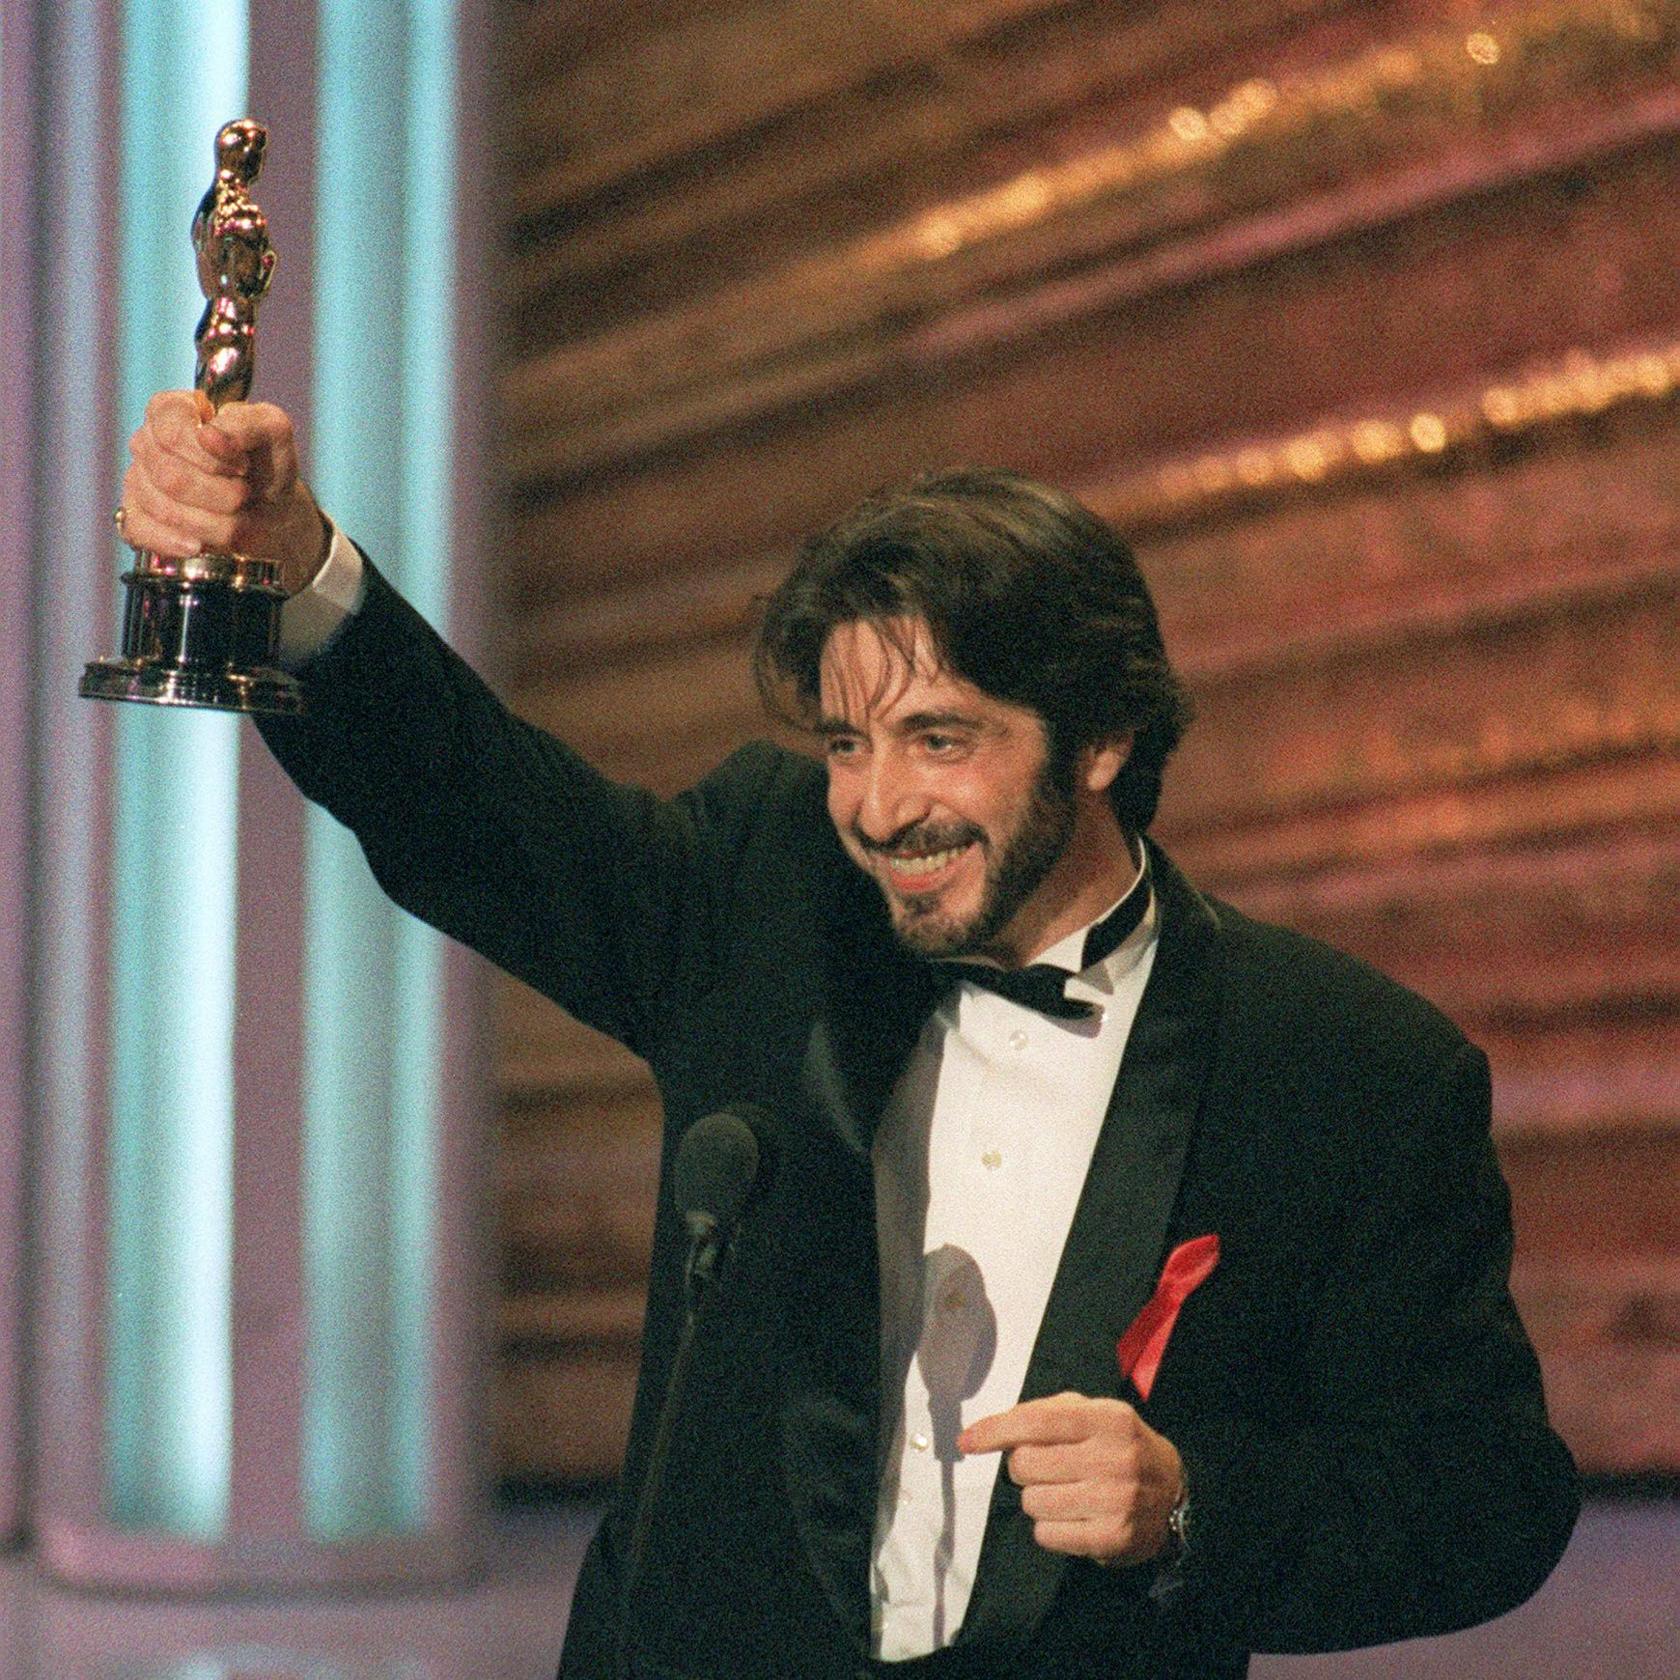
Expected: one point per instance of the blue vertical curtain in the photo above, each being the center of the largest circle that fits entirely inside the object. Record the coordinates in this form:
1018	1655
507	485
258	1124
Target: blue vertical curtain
383	381
169	1368
381	459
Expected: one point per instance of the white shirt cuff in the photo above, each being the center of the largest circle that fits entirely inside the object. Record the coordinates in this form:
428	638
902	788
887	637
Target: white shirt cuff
311	618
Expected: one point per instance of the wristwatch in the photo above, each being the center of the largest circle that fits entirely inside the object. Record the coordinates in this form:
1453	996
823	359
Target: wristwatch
1178	1518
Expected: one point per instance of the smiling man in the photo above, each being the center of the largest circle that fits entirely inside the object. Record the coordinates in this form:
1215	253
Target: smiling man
1130	1294
948	797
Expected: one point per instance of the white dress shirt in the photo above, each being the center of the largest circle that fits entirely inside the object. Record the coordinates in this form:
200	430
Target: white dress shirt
979	1162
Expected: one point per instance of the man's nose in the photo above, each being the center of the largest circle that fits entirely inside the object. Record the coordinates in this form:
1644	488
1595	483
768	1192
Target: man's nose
891	800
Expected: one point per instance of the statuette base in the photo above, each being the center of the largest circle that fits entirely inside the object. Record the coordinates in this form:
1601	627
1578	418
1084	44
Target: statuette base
198	640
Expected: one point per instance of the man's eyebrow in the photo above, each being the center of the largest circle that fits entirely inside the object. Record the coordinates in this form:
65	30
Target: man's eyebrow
907	725
937	720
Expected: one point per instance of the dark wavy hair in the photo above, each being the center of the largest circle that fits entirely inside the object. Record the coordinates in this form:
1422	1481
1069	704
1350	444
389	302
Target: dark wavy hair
1026	593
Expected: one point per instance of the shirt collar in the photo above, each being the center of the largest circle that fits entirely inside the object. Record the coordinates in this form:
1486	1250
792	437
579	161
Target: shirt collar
1067	951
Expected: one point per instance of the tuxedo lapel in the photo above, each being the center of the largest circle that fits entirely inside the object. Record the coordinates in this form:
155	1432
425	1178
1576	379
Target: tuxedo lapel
876	1001
1117	1242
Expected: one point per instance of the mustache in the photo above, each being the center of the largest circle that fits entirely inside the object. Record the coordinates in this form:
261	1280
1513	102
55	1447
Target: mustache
921	837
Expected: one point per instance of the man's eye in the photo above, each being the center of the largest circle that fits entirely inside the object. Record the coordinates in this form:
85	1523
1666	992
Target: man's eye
941	746
842	746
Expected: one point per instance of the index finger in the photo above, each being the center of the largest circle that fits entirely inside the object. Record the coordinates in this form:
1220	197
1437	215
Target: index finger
1050	1421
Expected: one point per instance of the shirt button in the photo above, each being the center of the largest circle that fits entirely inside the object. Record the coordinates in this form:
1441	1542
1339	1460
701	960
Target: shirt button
920	1442
1017	1040
992	1160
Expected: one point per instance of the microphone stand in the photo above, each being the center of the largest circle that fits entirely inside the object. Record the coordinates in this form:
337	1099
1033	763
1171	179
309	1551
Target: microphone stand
705	1250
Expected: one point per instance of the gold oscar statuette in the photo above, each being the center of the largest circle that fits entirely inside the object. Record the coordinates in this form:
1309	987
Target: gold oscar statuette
203	631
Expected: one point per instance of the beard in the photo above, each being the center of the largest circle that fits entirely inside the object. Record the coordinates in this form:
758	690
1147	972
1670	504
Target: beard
1015	865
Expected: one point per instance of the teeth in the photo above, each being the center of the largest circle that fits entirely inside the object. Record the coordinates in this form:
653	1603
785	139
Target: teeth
927	864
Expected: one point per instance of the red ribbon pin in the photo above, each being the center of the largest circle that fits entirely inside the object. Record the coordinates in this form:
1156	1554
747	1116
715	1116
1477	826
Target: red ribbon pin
1145	1341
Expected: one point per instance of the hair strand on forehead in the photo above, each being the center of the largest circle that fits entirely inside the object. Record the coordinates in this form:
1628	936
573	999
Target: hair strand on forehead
907	650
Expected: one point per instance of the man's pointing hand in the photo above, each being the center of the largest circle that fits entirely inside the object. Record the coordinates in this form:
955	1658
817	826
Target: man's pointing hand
1096	1480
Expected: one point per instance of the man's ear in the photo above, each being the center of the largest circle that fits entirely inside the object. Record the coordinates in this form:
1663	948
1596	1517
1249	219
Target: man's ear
1103	760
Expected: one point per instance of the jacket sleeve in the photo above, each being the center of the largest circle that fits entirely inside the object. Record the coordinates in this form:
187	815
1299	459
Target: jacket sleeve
600	896
1423	1490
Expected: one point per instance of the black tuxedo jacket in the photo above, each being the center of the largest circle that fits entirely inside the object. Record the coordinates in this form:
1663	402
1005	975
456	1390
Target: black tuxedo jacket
1354	1398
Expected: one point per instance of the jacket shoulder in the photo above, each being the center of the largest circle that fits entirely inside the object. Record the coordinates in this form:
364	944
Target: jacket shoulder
1331	1019
1309	974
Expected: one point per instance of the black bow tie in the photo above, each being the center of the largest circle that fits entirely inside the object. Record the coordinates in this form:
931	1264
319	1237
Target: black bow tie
1043	986
1040	986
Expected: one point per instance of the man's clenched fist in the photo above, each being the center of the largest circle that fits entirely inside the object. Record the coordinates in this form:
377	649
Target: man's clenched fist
202	481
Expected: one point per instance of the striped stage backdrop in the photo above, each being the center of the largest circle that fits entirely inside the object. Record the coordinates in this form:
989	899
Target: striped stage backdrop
249	1093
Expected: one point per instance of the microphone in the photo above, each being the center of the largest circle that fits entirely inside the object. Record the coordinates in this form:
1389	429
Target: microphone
719	1164
721	1160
